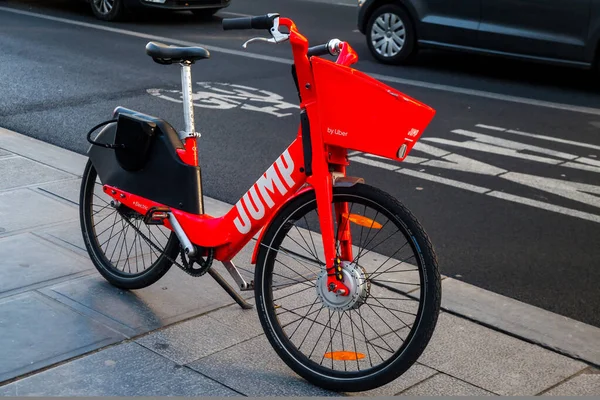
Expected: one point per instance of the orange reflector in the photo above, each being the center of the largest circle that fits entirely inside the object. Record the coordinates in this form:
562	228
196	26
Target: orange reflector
345	355
362	221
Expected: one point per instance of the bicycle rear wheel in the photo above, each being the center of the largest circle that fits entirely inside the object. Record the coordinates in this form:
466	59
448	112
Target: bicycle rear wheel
113	237
357	342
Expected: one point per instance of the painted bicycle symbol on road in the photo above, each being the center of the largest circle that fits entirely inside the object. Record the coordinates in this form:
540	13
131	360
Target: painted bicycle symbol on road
227	96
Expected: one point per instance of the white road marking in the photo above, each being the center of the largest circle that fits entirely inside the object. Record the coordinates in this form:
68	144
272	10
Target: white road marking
488	148
439	179
494	128
545	206
542	137
386	78
581	167
571	190
457	162
576	191
513	145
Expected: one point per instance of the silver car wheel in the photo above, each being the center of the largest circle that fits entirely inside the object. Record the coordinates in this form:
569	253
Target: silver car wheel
104	6
388	34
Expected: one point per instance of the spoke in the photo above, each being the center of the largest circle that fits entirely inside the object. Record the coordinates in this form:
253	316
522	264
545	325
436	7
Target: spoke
372	275
110	236
308	330
295	330
320	336
354	339
397	282
120	234
370	250
391	350
384	321
102	220
342	337
311	239
291	294
306	280
389	258
296	320
101	209
392	309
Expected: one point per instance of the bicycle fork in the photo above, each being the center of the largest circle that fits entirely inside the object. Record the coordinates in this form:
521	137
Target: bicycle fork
319	176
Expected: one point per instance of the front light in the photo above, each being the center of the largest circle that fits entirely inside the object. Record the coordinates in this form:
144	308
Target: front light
361	2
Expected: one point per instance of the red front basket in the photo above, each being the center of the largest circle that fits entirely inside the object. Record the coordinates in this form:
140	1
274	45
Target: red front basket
358	112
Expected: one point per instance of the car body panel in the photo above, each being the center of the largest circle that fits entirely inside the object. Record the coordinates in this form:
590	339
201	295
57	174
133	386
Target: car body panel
540	28
457	21
563	32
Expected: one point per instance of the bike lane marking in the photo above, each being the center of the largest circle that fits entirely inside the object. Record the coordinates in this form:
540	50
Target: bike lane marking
385	78
583	193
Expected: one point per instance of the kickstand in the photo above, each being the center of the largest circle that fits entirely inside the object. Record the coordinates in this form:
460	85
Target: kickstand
235	295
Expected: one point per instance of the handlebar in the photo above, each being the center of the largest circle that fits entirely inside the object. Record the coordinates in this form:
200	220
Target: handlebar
272	21
259	22
332	47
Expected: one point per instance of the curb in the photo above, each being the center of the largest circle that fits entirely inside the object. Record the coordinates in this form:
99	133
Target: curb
552	331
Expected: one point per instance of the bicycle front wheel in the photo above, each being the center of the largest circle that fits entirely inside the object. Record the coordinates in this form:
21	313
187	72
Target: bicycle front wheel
371	337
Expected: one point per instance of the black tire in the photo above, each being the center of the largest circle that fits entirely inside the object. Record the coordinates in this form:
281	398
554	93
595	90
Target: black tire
416	340
408	49
205	14
117	11
90	190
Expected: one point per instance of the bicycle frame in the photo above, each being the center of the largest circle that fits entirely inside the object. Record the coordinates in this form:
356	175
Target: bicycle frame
307	164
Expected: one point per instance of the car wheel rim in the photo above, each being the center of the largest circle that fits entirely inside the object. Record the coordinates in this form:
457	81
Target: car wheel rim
104	6
388	35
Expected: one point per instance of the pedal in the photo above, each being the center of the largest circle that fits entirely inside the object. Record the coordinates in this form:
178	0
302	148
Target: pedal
156	215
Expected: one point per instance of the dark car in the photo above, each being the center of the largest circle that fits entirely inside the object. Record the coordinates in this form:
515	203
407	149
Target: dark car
563	32
113	10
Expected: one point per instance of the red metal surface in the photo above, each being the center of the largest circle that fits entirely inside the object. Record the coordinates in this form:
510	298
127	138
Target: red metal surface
358	112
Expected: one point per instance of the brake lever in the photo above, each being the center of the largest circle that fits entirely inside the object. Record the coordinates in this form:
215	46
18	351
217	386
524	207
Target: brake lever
258	39
278	37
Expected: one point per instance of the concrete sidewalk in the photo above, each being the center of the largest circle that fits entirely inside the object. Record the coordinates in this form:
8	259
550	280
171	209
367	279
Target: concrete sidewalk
64	331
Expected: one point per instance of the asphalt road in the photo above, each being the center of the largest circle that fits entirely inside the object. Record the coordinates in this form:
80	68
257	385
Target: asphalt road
508	190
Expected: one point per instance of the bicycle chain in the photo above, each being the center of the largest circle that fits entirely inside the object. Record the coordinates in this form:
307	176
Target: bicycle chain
187	268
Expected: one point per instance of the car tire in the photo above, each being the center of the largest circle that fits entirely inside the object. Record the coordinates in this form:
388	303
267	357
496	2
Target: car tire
108	10
391	35
205	13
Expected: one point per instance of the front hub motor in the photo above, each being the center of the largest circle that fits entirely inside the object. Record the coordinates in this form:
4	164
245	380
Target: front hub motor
355	279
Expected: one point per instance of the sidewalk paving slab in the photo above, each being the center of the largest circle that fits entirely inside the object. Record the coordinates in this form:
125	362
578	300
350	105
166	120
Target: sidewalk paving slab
585	384
34	211
554	331
176	297
37	332
445	385
494	361
124	370
26	259
208	334
19	171
254	369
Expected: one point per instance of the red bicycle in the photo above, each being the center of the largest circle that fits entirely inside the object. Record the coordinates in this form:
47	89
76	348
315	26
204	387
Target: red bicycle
346	282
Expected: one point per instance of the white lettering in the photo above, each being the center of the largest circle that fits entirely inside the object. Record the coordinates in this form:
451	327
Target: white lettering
286	169
242	223
254	205
253	202
265	185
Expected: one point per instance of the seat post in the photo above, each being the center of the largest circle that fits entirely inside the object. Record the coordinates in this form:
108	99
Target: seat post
188	104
